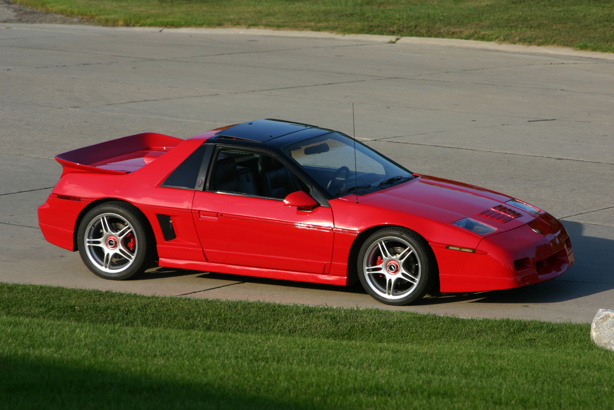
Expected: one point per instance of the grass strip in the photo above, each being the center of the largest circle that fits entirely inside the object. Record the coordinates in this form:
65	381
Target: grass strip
582	24
65	348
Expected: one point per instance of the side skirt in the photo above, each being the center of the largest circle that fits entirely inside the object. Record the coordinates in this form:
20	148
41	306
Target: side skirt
256	272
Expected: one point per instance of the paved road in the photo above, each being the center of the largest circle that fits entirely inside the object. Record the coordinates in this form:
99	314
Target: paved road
534	123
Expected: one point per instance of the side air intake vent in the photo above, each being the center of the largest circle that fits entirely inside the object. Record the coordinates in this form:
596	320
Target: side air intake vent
166	224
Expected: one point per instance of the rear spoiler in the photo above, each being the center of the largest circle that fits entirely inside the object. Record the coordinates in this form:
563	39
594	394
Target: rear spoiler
118	156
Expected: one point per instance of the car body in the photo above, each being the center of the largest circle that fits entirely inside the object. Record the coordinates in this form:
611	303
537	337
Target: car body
284	200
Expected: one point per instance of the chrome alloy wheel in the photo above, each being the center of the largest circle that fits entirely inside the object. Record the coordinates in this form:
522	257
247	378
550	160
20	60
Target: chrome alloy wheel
392	268
110	242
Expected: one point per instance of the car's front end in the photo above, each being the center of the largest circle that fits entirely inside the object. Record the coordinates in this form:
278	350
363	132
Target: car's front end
534	252
482	240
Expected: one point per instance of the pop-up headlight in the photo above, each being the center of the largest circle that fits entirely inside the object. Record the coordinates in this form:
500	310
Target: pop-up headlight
524	206
475	226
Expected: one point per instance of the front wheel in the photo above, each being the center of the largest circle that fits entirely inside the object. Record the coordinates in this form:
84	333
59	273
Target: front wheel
396	266
113	242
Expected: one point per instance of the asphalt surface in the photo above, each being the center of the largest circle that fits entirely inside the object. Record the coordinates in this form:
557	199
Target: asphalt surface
535	123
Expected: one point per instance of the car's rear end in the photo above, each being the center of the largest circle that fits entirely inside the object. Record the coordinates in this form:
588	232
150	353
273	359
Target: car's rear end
58	215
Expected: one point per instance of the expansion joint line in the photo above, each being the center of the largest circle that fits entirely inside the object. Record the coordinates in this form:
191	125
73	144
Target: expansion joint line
26	191
210	289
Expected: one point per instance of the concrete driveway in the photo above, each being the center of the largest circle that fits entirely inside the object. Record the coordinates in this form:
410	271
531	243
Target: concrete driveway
535	123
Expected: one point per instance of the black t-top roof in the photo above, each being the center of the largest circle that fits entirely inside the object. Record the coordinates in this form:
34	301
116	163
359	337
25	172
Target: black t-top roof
262	130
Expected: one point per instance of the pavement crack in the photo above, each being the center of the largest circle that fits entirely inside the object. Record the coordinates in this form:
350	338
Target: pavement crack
192	97
26	191
295	87
542	120
210	289
76	107
588	212
44	67
19	225
389	139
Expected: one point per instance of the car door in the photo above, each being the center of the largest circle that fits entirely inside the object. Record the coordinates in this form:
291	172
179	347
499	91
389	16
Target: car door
241	218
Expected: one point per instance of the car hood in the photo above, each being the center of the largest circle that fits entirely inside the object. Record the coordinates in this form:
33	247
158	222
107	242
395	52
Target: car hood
448	201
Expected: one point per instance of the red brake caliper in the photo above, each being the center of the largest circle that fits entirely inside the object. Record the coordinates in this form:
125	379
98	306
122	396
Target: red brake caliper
378	262
131	242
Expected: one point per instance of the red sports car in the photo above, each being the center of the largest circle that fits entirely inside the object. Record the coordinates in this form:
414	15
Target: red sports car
284	200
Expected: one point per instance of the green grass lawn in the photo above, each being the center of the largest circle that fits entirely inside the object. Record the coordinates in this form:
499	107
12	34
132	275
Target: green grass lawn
64	348
582	24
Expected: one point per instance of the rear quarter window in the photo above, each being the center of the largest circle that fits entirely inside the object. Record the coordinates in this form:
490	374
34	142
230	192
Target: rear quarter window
185	176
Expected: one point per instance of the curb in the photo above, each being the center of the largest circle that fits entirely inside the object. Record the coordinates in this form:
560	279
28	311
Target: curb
392	40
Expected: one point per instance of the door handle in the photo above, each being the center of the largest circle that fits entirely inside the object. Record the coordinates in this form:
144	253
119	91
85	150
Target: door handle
208	215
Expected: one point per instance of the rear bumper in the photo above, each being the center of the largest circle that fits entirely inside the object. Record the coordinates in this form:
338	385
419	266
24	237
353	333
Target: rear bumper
57	218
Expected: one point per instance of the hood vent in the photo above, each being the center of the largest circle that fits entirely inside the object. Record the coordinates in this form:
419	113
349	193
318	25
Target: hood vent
500	213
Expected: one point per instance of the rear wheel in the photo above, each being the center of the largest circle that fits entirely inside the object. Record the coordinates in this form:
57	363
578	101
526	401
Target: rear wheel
396	266
113	241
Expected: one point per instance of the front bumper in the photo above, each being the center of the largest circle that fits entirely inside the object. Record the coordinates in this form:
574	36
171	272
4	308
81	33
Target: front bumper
532	253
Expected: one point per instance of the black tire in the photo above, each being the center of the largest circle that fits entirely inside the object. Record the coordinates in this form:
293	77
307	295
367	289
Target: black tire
113	241
396	266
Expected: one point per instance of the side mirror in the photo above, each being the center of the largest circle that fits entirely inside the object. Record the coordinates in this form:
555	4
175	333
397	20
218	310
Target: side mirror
300	200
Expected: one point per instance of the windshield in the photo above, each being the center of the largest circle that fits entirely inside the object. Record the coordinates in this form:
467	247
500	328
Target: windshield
342	166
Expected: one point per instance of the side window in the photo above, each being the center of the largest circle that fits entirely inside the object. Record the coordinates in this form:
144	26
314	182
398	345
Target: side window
186	174
251	173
